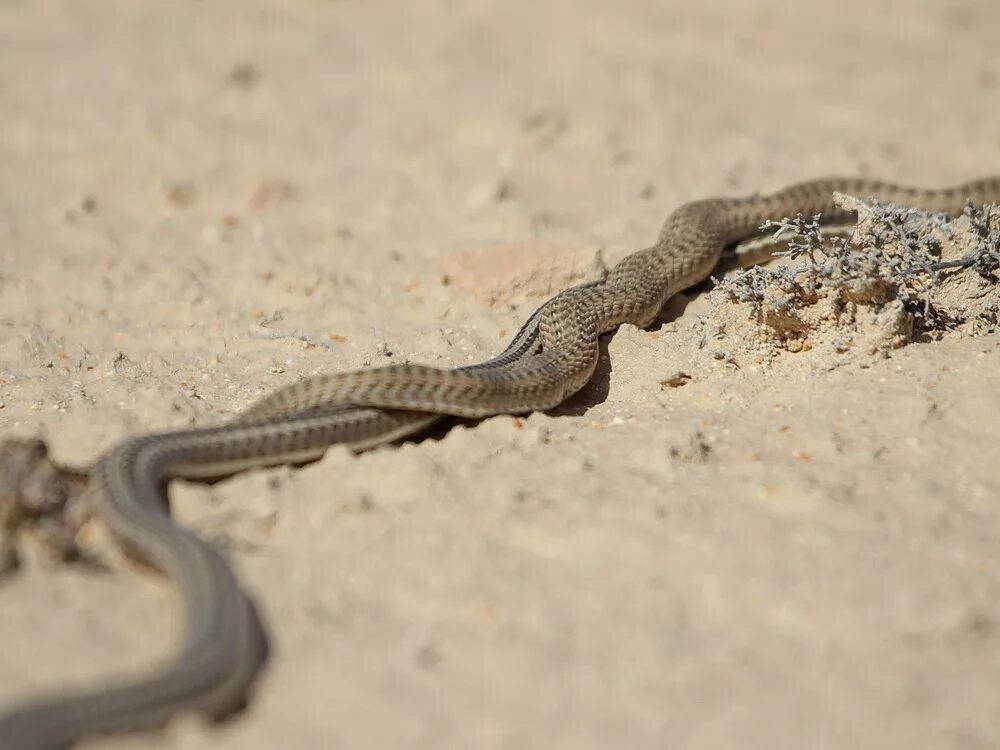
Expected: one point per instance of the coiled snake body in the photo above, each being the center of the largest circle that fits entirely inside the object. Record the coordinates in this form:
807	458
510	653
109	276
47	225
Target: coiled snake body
553	355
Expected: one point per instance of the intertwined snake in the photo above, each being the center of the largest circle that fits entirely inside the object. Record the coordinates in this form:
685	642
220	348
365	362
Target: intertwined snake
552	356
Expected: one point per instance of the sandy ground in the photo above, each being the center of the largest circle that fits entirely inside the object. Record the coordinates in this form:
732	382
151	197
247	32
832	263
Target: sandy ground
787	557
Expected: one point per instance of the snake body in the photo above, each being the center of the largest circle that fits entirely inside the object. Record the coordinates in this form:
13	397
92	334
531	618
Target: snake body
553	355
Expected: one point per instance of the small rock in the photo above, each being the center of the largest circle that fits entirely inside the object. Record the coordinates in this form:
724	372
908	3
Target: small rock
675	381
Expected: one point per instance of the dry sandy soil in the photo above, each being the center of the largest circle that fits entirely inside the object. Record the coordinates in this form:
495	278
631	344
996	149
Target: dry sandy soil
202	201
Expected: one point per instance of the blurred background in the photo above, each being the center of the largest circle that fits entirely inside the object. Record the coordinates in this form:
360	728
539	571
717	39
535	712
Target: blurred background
200	201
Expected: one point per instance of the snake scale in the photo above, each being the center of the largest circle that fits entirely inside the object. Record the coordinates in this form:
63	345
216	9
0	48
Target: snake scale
222	645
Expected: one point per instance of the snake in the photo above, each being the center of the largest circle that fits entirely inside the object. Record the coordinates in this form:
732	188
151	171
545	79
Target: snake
222	645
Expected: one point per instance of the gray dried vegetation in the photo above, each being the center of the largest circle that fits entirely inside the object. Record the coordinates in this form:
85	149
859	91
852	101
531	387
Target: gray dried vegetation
901	275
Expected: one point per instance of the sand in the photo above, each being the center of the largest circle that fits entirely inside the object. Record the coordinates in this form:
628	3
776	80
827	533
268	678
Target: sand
202	201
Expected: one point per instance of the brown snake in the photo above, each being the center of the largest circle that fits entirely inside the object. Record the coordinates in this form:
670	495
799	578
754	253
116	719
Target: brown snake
554	355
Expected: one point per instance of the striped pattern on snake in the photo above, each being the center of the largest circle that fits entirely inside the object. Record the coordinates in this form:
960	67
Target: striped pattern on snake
555	353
